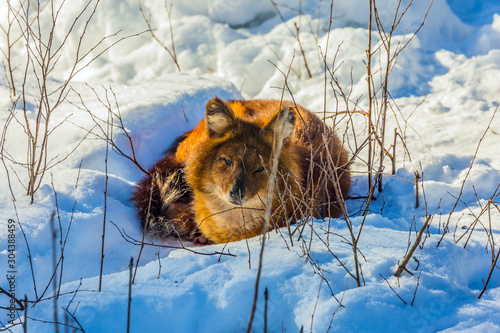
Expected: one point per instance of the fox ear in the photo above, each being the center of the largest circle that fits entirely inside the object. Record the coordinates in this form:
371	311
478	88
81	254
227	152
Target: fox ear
282	123
219	118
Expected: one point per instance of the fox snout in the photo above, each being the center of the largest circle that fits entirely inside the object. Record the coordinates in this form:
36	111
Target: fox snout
237	193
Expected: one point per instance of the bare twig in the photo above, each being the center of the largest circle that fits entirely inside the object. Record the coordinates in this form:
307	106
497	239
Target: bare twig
10	117
147	19
417	178
370	99
30	257
109	133
416	288
18	302
131	265
99	123
25	323
297	29
55	265
79	327
316	304
445	228
159	263
493	266
67	326
270	192
266	298
402	300
133	241
402	265
394	151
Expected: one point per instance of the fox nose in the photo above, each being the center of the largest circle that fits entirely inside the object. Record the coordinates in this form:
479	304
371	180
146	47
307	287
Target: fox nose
237	192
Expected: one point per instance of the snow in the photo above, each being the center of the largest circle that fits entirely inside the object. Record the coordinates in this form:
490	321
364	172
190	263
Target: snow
445	84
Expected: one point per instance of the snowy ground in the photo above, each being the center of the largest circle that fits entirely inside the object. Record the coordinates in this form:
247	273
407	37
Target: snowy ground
232	49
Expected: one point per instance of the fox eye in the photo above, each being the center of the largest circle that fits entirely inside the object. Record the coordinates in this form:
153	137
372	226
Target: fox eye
229	163
260	169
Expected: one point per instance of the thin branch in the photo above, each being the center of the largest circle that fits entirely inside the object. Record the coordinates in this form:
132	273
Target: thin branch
466	176
133	241
402	265
402	300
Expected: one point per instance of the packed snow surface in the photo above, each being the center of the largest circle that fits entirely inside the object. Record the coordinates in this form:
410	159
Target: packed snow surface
446	85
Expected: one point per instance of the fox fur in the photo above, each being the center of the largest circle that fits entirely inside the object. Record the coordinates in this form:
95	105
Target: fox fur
213	182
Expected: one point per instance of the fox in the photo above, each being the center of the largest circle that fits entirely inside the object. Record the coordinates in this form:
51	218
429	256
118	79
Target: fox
216	182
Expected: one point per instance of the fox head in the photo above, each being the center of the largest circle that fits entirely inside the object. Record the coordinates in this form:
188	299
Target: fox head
233	165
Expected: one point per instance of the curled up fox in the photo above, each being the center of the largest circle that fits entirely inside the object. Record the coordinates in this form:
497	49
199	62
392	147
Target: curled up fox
212	185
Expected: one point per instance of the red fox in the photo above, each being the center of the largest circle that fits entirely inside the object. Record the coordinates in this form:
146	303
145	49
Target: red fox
213	182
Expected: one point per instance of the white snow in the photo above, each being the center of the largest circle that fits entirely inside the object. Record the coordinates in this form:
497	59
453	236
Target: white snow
446	84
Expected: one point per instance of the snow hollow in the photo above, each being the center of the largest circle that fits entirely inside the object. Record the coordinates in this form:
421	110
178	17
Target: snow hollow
442	96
